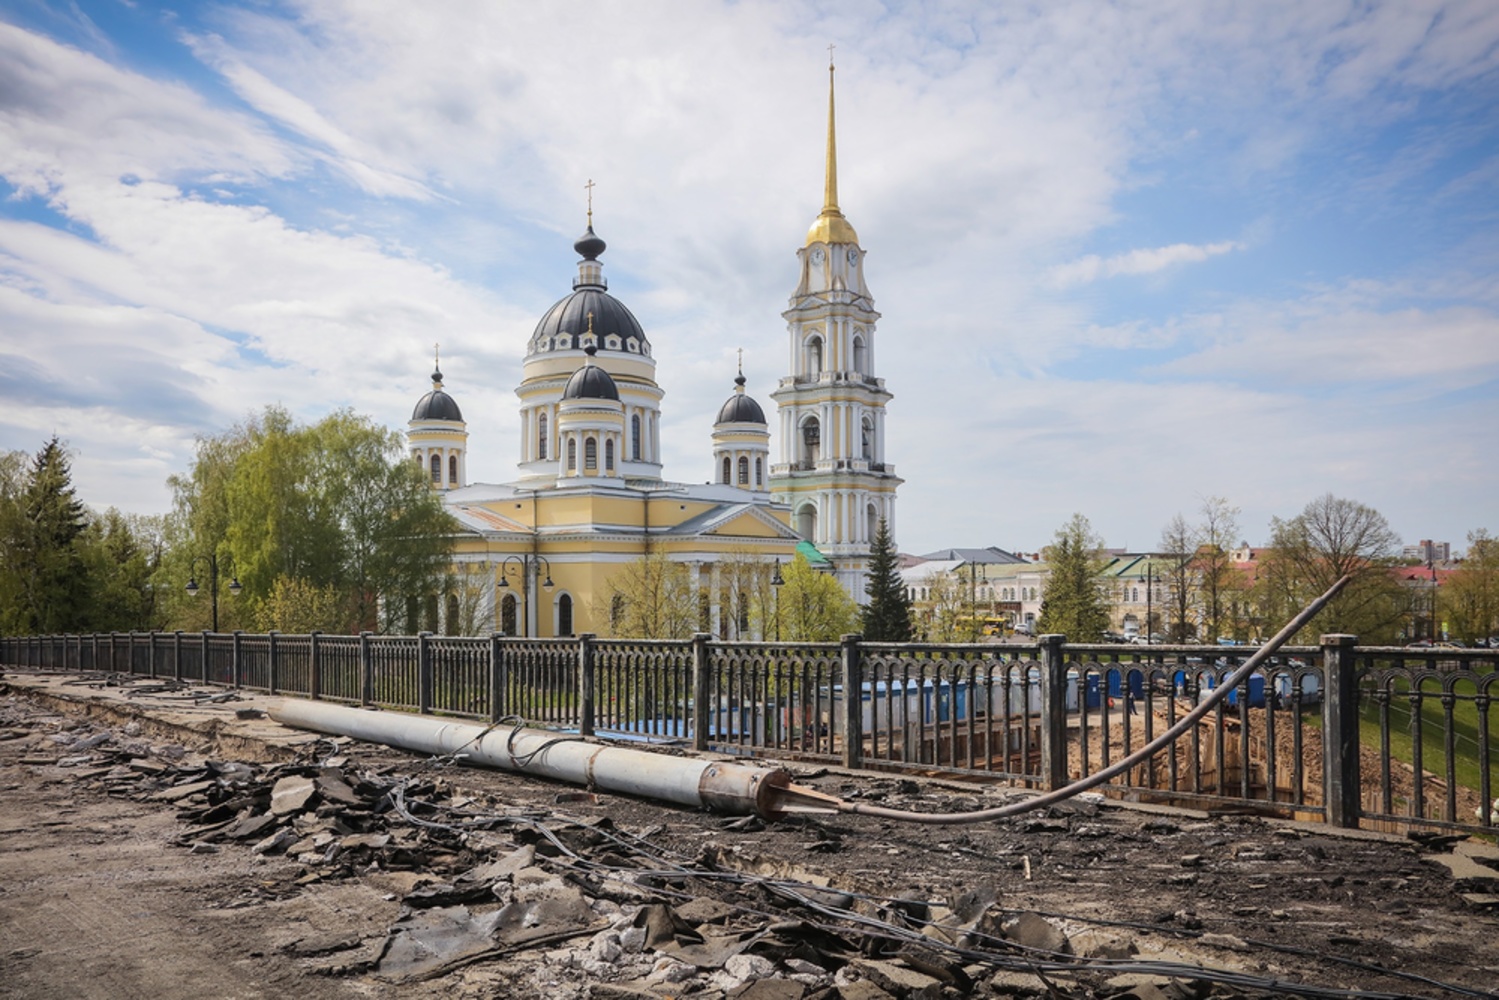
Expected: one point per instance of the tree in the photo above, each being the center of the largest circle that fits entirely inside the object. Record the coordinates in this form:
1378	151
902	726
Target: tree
1212	566
298	607
1332	538
335	505
49	581
813	606
1074	603
1470	597
1179	546
122	555
650	598
943	609
887	616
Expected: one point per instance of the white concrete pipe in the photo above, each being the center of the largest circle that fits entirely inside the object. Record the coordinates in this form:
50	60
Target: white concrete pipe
732	788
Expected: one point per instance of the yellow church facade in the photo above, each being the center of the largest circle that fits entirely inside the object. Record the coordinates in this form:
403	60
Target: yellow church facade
545	555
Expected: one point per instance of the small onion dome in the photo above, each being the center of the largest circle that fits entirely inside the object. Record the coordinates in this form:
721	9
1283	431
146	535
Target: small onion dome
741	408
437	405
589	245
591	381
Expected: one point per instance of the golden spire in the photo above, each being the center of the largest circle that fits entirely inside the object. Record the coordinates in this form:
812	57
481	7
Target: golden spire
831	226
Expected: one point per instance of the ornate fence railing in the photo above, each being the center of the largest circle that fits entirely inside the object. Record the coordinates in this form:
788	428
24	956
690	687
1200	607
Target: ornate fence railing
1373	736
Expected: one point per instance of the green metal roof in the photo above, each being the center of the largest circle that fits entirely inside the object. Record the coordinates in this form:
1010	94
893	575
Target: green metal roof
809	552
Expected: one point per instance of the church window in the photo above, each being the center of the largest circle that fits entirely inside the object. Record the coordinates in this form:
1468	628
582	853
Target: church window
565	615
871	523
744	471
866	440
744	617
814	355
611	342
811	441
541	436
564	342
806	522
632	346
635	436
590	455
572	455
452	470
437	470
609	455
759	472
507	614
450	625
704	611
429	614
861	356
727	465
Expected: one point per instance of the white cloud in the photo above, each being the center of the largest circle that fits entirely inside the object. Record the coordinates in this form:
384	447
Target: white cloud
1092	267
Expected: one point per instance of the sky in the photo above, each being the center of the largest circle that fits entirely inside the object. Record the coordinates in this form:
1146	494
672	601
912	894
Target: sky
1129	256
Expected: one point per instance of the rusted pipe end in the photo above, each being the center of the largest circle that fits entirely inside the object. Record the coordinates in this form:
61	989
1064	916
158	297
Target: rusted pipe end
740	790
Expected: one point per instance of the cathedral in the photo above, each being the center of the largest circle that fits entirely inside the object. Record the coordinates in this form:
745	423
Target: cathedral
535	557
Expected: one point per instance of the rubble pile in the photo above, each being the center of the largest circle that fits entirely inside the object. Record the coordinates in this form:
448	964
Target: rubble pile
583	907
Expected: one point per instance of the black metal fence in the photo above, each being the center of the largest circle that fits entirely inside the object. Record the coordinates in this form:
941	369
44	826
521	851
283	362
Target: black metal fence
1350	735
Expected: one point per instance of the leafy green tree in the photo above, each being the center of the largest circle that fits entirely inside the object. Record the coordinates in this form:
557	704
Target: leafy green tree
1332	538
1470	597
813	606
1074	603
298	607
887	616
649	598
122	555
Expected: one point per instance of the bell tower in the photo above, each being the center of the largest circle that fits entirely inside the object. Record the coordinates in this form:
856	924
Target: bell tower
833	471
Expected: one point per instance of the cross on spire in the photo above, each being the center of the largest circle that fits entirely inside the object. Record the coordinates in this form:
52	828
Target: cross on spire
589	186
831	47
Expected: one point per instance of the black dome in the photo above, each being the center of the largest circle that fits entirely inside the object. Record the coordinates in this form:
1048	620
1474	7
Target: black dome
740	408
570	317
589	245
436	405
591	382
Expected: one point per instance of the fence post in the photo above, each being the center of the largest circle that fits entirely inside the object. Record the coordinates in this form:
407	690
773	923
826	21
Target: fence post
366	669
1340	744
151	653
424	673
271	664
203	672
585	683
314	666
1054	710
177	656
94	641
702	686
853	703
499	681
236	663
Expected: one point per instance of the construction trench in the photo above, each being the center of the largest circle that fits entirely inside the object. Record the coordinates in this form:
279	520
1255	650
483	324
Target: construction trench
162	840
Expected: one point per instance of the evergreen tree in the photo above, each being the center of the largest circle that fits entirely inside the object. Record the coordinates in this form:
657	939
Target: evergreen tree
887	616
50	582
1074	604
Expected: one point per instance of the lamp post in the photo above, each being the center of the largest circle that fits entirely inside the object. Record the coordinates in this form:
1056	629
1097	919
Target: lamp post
213	584
973	595
1148	604
530	568
777	582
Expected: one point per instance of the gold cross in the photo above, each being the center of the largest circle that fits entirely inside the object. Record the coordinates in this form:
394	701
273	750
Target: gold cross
741	361
589	186
436	357
831	47
590	324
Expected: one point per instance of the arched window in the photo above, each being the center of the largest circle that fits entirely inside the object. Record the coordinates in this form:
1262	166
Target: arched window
452	470
871	523
866	440
727	466
760	472
609	455
572	455
507	614
541	436
743	471
450	623
814	355
635	438
429	614
590	455
861	357
437	470
806	522
811	440
564	615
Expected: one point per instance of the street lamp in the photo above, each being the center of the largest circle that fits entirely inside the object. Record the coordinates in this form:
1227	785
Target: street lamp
213	583
777	582
973	594
530	568
1148	604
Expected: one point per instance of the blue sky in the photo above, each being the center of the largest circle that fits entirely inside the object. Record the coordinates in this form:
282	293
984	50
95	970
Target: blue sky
1129	256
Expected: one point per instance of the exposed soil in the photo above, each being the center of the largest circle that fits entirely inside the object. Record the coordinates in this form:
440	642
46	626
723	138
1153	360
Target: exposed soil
103	892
